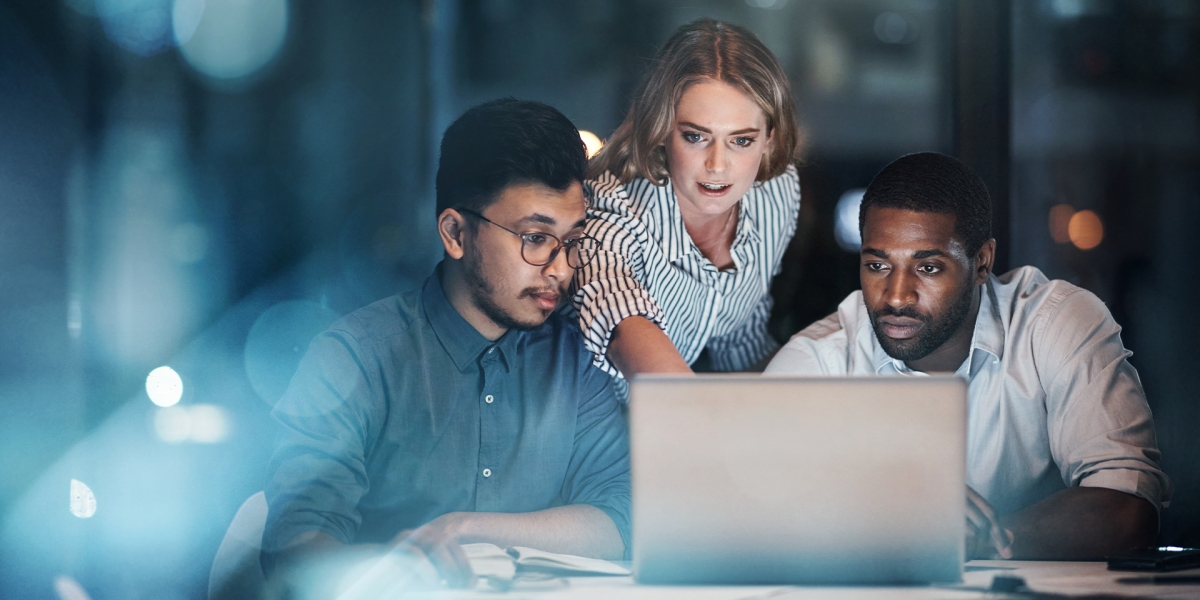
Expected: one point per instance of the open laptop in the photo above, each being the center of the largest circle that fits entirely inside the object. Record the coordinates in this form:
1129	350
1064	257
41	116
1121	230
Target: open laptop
766	479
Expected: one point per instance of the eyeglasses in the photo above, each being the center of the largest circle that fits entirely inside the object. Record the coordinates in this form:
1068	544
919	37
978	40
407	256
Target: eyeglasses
540	249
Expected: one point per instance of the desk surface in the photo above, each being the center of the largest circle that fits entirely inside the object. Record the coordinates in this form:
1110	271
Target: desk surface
1086	579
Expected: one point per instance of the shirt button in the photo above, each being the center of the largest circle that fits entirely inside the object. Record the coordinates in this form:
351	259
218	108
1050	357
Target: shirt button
491	350
487	472
488	398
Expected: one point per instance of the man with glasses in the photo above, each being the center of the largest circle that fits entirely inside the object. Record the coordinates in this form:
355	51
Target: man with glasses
468	410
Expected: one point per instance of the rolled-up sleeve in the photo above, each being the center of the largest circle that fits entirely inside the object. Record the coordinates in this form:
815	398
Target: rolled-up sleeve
317	474
609	290
598	471
1100	427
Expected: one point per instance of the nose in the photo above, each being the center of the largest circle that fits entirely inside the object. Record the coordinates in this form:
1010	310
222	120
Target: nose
715	160
558	269
901	289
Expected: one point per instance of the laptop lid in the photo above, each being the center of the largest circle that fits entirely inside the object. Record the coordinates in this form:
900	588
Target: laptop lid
767	479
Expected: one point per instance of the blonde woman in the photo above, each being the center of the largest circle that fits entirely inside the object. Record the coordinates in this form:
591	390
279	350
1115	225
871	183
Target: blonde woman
693	201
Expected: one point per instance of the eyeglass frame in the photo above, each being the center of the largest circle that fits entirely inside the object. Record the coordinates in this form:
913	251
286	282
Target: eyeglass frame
553	253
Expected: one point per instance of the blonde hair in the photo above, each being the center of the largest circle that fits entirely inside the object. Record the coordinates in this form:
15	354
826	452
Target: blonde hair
702	49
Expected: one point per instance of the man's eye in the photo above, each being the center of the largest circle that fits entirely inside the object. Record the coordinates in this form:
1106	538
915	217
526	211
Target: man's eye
929	269
692	137
536	239
874	266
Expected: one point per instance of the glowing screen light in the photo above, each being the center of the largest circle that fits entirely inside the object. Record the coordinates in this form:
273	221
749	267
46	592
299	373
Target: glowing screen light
229	39
200	424
845	228
164	386
83	501
1086	230
590	141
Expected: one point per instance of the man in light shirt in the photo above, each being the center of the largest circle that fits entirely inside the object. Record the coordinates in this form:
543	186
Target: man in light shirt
1062	461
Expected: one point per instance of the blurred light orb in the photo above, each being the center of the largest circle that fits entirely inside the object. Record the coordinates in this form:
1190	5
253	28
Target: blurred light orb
893	28
209	424
845	228
277	341
768	4
173	424
1085	229
591	141
142	27
1060	219
68	589
83	501
164	386
229	39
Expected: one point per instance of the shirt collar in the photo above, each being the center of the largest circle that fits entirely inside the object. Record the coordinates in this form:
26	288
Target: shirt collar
676	242
988	337
461	340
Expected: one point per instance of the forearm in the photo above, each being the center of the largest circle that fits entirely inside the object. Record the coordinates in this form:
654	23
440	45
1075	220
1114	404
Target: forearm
639	346
579	529
1082	523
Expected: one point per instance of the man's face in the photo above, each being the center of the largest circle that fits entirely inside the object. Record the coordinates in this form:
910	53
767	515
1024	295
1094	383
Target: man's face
511	292
917	280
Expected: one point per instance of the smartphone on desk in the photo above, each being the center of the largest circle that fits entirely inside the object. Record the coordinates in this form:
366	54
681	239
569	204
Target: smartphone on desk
1163	558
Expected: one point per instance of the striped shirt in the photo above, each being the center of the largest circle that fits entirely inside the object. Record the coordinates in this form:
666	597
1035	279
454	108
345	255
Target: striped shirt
647	265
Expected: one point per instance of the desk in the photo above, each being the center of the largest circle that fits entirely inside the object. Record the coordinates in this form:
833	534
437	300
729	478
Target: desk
1085	579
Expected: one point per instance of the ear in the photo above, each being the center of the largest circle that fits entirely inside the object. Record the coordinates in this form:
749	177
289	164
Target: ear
452	228
984	260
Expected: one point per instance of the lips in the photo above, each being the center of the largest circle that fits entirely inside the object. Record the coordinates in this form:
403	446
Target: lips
900	328
546	301
713	189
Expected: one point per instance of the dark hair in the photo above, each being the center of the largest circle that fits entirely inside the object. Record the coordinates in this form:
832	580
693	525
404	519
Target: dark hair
934	183
504	142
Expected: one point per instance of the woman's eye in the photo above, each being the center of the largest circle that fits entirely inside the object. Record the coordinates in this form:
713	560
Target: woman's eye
692	137
744	142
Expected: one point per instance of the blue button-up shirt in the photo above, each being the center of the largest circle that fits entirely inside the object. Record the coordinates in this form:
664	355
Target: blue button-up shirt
402	412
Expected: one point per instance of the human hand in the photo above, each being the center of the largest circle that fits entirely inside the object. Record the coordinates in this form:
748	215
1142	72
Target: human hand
437	541
986	537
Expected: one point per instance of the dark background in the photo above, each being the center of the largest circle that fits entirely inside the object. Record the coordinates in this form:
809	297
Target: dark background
211	207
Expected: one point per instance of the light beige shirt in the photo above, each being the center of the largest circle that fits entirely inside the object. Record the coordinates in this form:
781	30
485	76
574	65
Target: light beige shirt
1052	399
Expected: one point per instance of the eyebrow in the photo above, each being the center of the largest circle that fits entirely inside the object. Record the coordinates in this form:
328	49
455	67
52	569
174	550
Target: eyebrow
918	255
547	220
707	130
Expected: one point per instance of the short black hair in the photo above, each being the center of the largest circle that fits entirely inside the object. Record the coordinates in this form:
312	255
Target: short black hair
934	183
505	142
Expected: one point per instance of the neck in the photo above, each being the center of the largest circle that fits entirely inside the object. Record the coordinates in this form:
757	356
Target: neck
713	234
457	288
950	355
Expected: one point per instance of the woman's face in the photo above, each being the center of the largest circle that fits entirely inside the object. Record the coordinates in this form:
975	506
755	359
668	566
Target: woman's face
714	149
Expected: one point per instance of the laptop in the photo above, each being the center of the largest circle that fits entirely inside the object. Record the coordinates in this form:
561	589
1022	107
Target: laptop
747	479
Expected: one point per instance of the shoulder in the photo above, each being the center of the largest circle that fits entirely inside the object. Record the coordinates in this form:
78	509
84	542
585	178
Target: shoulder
1033	300
607	194
822	348
380	320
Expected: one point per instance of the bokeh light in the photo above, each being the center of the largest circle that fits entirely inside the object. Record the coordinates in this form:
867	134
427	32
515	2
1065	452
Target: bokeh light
591	141
68	589
1060	220
164	386
1085	229
83	501
277	341
142	27
845	228
230	39
200	423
